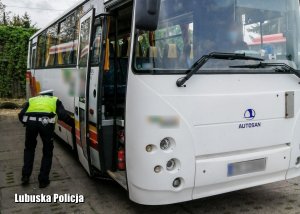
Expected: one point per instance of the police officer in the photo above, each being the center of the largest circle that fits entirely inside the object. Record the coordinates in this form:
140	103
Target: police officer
39	117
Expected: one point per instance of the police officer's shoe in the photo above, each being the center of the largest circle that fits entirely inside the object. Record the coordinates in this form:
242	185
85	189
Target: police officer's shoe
25	180
44	184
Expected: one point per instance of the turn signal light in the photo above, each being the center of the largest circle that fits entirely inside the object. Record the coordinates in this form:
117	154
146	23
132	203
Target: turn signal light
149	148
157	169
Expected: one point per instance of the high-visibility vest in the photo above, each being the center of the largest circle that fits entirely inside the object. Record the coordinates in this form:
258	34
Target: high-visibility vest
42	104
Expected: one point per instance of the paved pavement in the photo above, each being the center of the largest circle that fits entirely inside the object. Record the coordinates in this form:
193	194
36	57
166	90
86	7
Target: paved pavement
102	196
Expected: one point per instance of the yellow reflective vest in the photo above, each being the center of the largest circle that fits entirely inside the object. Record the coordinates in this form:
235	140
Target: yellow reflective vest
42	104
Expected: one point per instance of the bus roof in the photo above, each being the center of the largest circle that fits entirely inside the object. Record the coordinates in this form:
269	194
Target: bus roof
58	18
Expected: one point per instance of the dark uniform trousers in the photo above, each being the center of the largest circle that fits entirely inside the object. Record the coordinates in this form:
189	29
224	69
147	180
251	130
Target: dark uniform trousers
46	132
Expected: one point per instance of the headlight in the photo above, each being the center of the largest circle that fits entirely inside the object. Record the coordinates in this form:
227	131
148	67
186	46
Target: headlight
165	144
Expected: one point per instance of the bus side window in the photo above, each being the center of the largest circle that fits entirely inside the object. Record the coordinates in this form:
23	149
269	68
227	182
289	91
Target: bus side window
41	50
33	58
67	44
51	45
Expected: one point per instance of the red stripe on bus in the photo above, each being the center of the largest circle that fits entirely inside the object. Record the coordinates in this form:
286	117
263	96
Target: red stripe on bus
93	138
93	135
94	144
64	125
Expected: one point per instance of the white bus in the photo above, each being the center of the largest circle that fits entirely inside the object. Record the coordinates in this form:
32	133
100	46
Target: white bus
166	99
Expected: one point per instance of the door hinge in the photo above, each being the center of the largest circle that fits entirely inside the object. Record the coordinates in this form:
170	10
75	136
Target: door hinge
289	104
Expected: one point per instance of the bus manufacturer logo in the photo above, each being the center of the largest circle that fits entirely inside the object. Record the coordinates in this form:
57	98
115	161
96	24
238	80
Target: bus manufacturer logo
249	114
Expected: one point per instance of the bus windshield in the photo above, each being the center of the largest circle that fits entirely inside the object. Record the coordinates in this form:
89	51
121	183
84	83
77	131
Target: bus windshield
189	29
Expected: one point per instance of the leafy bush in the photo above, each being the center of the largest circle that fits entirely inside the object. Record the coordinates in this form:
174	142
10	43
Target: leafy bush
13	60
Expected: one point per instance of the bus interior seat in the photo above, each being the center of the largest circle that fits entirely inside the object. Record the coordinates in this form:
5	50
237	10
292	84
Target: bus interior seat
152	52
170	56
153	56
151	59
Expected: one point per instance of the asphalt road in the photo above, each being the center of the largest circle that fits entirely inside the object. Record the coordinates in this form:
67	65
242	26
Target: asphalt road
104	196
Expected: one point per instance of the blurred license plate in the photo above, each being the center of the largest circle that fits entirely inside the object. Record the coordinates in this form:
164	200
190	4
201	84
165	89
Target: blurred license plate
246	167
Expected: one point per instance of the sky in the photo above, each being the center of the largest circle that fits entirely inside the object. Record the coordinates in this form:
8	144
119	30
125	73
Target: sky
42	12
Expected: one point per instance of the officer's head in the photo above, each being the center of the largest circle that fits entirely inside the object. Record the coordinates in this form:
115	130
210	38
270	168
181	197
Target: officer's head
47	92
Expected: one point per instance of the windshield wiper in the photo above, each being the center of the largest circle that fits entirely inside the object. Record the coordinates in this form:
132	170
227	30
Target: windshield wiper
280	67
214	55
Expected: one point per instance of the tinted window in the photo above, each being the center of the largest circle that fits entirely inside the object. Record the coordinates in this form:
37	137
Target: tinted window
96	43
189	29
51	46
41	50
67	45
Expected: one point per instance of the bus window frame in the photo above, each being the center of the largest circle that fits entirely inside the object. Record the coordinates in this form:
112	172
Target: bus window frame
32	59
74	60
42	34
58	22
177	71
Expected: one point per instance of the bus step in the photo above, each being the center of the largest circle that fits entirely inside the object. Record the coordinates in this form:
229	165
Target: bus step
120	177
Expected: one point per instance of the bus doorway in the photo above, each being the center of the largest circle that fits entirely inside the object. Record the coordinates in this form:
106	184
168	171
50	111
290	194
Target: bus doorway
116	46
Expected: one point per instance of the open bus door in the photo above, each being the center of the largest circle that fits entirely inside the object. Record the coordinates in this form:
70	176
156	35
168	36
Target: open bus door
82	88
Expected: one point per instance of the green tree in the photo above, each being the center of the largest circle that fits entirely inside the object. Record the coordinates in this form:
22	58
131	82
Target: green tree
16	21
26	21
21	21
13	60
4	15
15	32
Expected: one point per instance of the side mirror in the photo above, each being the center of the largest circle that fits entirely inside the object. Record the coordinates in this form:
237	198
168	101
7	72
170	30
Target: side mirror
147	14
